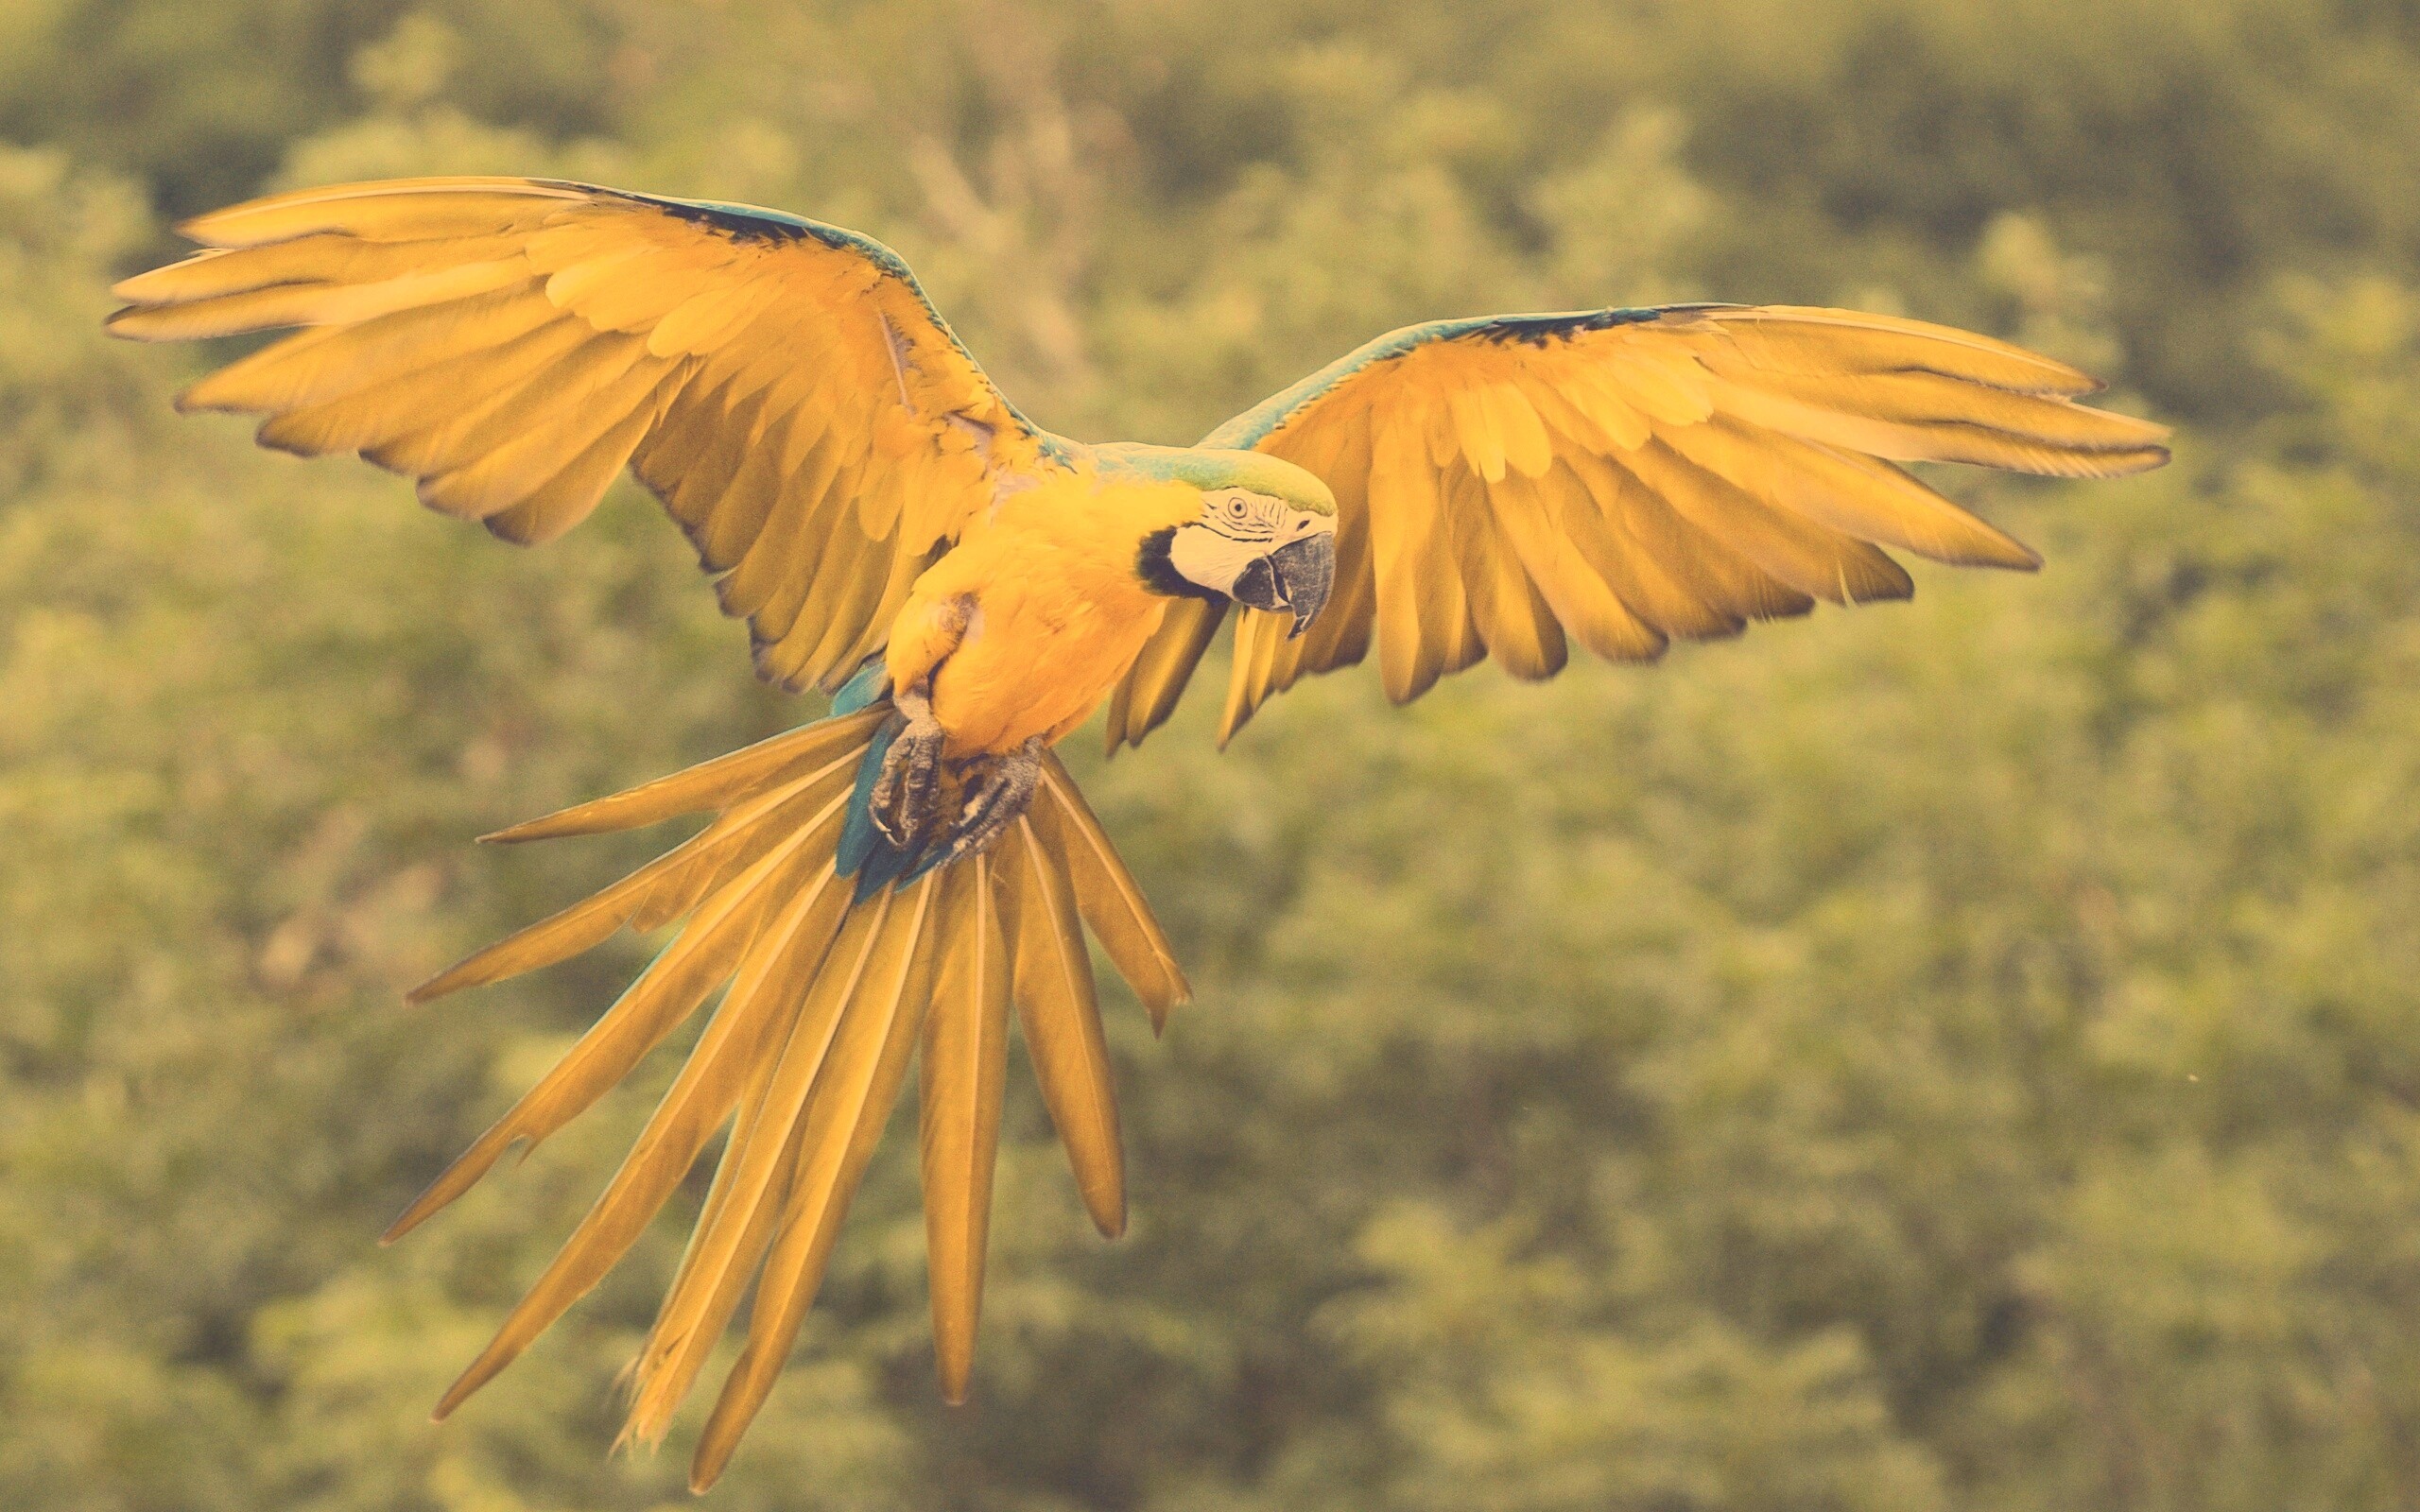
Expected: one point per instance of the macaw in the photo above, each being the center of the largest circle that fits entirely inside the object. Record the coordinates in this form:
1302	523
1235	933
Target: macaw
882	885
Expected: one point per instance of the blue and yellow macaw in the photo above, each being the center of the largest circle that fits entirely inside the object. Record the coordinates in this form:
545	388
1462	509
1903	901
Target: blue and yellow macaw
973	588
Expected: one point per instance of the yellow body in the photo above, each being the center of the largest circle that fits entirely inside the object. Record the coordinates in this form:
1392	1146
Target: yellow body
1033	617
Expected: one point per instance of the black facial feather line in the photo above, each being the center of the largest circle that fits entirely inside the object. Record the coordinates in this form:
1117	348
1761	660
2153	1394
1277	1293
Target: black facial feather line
1159	573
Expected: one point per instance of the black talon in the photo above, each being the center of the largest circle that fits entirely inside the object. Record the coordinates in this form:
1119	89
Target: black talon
1005	793
902	800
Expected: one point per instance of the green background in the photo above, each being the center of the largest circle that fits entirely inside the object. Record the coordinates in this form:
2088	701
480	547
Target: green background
1962	1055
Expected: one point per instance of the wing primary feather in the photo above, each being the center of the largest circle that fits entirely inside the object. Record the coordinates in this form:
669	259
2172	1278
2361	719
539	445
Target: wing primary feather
1806	557
391	210
1800	339
324	259
442	402
1944	441
1856	495
326	363
1668	550
232	315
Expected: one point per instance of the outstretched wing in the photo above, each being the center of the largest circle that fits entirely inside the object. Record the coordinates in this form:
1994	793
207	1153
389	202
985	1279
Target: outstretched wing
783	386
1626	477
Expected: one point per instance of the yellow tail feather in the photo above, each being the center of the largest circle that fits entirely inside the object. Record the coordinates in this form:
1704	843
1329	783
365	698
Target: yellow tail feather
825	1002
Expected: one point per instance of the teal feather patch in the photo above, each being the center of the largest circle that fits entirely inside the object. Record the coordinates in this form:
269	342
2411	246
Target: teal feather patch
1205	467
862	852
859	840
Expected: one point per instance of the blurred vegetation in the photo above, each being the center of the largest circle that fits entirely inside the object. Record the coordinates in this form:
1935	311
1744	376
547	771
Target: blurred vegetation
1956	1055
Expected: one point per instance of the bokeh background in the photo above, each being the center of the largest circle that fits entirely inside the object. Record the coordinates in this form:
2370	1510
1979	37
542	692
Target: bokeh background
1962	1055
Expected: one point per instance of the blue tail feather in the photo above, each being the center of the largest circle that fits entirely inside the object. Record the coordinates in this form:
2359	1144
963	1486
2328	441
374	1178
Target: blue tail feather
932	853
888	865
859	841
863	854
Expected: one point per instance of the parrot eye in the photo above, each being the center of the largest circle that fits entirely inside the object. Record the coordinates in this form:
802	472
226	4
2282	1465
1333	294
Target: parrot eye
1236	508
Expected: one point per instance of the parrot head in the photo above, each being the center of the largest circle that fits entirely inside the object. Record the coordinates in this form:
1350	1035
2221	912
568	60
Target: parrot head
1265	536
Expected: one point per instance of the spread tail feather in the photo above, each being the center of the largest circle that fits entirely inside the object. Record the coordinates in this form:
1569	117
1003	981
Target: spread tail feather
825	997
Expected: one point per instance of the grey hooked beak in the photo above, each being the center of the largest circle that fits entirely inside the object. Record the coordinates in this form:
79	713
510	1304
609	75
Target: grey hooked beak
1294	579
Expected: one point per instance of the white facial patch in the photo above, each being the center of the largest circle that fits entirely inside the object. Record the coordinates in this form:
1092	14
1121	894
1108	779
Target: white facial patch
1211	556
1237	528
1240	514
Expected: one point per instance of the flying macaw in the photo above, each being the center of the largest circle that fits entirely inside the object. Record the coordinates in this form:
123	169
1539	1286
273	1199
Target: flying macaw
893	877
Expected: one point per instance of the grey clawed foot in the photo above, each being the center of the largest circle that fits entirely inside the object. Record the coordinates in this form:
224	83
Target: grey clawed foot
902	800
998	800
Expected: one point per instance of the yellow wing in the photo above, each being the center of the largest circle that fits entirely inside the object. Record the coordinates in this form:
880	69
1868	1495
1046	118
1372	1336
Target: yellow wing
783	386
1626	477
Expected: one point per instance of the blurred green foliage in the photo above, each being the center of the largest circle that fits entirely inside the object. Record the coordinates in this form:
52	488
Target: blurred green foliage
1956	1055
